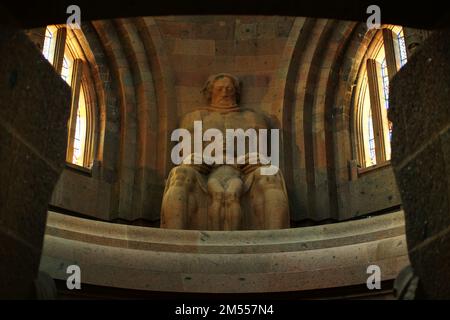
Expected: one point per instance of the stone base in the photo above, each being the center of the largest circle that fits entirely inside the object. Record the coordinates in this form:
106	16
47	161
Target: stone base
152	259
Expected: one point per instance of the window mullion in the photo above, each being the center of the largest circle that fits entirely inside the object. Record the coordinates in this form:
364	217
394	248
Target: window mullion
392	52
89	132
60	46
76	84
376	108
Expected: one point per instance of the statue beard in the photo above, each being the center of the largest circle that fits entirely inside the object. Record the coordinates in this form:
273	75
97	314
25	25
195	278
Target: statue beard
225	104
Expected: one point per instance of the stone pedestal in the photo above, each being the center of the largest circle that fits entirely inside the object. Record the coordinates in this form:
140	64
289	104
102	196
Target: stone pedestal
189	261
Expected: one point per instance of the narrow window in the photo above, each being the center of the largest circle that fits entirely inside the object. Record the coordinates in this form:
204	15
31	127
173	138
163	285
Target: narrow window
385	55
80	131
63	51
49	44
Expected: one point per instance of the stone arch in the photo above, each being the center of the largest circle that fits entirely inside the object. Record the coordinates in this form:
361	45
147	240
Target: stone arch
146	102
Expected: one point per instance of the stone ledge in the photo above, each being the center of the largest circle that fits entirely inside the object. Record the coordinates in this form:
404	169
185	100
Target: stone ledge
257	241
215	269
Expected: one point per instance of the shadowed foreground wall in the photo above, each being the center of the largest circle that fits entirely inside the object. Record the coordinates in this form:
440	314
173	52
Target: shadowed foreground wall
33	138
420	111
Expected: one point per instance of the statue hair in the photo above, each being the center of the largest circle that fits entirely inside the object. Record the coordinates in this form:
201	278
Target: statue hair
207	88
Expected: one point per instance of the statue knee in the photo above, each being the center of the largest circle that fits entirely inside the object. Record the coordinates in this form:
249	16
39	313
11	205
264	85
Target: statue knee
217	196
232	196
183	176
269	181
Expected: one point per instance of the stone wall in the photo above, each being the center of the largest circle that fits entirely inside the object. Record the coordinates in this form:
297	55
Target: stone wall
369	193
94	193
249	47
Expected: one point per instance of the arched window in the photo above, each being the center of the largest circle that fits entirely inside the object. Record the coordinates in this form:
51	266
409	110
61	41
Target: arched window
385	55
66	69
79	139
49	43
63	51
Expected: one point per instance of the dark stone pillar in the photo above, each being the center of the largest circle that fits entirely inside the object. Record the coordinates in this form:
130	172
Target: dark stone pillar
414	39
420	111
34	109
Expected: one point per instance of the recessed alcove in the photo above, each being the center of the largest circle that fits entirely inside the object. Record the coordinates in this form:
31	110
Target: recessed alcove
326	84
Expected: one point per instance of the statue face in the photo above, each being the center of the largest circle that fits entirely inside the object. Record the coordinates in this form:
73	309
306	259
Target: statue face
223	92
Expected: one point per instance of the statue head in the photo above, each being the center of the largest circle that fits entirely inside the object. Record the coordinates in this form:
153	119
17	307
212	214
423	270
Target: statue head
222	90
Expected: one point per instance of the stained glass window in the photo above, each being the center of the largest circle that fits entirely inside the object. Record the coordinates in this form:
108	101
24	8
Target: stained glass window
373	158
72	57
385	78
65	71
47	51
376	129
402	47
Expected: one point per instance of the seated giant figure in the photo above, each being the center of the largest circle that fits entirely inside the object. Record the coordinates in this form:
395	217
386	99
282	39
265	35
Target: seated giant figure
202	195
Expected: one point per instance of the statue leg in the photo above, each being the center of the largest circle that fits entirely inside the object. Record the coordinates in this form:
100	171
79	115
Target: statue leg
233	215
215	209
276	205
175	204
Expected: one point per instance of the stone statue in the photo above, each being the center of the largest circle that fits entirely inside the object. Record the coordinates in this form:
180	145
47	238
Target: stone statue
224	196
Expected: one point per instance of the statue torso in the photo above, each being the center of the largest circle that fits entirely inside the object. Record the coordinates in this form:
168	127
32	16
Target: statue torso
244	119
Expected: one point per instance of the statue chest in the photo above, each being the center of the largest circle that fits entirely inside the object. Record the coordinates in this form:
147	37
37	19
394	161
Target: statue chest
232	120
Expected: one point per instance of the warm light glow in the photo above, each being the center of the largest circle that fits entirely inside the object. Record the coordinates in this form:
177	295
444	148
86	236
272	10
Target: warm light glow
367	126
65	70
385	79
80	131
364	103
49	43
401	44
72	52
